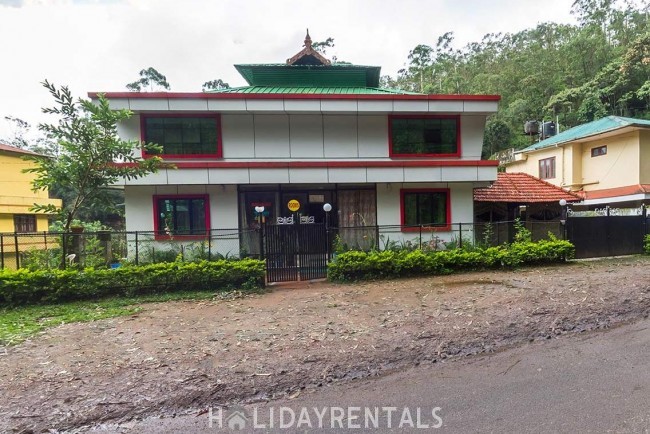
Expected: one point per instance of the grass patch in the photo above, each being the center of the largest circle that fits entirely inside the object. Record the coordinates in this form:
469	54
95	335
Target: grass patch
19	323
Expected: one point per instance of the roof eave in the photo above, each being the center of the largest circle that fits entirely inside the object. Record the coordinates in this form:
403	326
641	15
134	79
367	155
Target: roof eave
211	95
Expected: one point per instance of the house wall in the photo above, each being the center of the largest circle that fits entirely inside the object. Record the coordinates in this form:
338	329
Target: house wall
644	157
531	165
389	211
618	168
223	211
315	136
576	169
16	195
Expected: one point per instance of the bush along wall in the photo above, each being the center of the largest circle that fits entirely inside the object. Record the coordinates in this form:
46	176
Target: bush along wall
20	287
646	244
358	265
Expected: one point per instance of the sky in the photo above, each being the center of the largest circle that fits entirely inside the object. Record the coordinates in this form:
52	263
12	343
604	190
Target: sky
101	45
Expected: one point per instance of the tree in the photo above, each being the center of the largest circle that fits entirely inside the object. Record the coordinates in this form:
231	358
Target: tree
24	137
148	77
497	137
322	46
218	84
92	156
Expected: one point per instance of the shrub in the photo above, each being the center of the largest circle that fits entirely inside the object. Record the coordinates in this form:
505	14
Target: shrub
25	286
646	244
355	265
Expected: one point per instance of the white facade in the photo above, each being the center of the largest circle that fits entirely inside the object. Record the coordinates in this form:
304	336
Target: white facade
320	144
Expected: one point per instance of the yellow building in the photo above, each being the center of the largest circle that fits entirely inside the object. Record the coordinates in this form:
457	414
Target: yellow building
606	161
16	199
16	195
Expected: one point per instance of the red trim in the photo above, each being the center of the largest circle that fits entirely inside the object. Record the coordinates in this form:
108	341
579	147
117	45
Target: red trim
217	119
156	228
311	96
390	136
339	164
445	228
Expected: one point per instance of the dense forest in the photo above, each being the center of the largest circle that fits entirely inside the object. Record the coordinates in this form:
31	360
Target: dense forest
572	73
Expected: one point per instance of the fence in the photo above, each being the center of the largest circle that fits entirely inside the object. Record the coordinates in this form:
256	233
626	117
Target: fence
438	238
105	248
56	250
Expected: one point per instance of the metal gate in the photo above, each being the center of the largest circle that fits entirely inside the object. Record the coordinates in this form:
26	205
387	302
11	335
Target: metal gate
295	252
609	235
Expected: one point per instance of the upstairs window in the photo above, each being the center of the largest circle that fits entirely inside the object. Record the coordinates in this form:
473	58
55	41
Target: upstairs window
547	168
424	136
181	215
184	136
601	150
24	223
428	207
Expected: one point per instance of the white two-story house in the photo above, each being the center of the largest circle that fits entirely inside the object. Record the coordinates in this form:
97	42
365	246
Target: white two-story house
302	134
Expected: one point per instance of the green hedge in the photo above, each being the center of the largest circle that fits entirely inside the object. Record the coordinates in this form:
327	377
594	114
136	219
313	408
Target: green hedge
23	286
646	244
357	265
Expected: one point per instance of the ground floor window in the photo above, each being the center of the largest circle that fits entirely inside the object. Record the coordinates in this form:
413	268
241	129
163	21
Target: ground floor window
181	215
24	223
429	207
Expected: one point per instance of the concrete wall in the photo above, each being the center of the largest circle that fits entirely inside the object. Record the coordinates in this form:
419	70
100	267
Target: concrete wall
626	163
223	211
389	211
531	165
314	136
644	157
16	195
618	168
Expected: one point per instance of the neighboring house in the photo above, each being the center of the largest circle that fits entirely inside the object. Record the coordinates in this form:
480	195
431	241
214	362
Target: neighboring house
16	195
307	132
606	161
520	195
16	199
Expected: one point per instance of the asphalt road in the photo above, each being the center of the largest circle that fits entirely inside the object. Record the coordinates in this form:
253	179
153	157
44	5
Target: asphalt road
596	382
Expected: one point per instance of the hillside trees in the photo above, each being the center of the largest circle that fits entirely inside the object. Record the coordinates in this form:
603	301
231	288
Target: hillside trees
574	73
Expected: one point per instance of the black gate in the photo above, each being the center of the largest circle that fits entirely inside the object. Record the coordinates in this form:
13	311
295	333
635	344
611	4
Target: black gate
606	235
295	252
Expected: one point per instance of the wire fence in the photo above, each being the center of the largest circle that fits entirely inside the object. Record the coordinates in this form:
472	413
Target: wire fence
46	250
427	237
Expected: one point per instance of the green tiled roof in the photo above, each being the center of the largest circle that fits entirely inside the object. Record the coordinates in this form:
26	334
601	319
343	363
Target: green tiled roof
314	90
337	75
603	125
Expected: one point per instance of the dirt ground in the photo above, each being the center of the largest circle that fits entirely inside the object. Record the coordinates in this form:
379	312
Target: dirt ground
181	357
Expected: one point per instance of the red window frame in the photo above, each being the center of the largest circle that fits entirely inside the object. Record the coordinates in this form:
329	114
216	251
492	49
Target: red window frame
217	118
445	228
547	168
392	154
156	211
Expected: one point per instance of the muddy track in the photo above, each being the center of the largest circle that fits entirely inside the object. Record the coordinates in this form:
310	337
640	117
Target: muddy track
184	356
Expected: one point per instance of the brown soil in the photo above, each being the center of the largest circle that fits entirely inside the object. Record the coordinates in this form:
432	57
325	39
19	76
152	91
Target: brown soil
183	356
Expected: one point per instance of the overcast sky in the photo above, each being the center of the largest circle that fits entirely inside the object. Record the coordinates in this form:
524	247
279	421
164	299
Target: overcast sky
100	45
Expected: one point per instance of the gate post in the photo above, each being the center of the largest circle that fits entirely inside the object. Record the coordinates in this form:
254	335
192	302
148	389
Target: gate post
17	253
261	229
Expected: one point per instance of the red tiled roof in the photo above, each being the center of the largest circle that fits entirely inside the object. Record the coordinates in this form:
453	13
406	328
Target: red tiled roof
618	191
522	188
8	148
